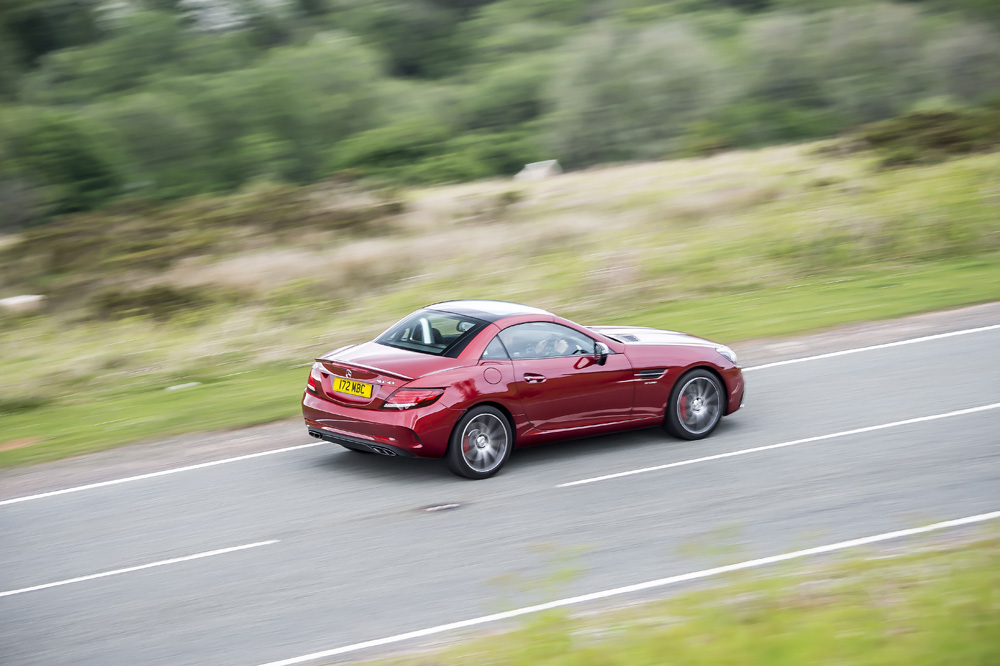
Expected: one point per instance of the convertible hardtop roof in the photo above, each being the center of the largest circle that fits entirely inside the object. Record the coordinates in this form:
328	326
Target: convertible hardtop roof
487	310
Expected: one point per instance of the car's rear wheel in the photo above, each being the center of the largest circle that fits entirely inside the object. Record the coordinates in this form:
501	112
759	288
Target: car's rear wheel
480	443
696	405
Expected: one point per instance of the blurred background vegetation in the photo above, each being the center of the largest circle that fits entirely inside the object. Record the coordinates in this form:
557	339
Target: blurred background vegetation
103	100
209	193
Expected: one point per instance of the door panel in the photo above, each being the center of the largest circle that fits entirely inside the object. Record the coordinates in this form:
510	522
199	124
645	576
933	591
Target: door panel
571	392
559	381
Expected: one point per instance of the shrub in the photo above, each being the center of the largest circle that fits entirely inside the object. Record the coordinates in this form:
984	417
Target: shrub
162	142
507	96
159	301
26	403
926	136
392	149
625	94
64	154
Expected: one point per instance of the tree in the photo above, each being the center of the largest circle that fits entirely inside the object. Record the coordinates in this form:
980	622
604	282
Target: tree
965	62
419	36
626	95
64	154
38	27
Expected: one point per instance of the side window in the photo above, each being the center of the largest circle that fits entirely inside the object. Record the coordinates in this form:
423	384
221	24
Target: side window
545	340
495	351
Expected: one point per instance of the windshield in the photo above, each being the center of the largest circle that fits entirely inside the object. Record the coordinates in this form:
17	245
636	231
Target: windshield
433	332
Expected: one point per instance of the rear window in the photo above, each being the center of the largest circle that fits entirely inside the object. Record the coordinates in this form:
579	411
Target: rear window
433	332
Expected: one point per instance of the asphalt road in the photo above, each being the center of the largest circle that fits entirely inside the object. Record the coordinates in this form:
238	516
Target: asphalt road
342	550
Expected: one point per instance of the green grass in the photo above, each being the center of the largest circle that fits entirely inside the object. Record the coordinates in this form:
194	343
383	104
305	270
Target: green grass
932	608
868	294
733	247
111	417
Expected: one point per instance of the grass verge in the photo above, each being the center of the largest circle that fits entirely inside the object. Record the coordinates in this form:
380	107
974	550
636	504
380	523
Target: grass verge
935	607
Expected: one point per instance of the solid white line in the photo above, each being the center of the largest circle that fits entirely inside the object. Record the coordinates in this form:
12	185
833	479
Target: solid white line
115	572
151	475
768	447
856	350
661	582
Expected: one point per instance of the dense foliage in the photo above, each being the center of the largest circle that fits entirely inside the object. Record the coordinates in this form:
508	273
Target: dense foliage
161	99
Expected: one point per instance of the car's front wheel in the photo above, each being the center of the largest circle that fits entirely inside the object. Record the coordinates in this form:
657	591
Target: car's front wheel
480	443
695	406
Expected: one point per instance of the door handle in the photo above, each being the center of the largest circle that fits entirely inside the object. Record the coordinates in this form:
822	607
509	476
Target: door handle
533	378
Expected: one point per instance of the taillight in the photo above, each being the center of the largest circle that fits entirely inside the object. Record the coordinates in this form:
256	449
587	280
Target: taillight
313	382
409	398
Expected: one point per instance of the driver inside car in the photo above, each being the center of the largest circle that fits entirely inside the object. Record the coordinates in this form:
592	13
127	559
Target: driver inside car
552	347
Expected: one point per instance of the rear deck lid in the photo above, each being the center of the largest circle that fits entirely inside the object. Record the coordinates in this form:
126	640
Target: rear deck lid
365	375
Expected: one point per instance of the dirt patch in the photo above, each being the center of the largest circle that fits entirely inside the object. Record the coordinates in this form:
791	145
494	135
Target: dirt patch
12	444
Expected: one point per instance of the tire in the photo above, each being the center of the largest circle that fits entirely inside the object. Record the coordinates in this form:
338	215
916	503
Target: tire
696	405
480	443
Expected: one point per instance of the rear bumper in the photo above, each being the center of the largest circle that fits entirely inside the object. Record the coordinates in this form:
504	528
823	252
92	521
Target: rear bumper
422	432
359	444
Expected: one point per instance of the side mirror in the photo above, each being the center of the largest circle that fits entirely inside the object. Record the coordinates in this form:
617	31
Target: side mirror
601	351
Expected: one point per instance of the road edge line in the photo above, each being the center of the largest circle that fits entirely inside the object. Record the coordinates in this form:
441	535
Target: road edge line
151	475
140	567
857	350
781	445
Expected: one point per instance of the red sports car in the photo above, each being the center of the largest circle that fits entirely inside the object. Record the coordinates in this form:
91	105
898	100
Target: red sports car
470	380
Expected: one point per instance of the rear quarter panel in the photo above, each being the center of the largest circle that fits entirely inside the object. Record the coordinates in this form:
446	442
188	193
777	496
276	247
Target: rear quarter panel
485	382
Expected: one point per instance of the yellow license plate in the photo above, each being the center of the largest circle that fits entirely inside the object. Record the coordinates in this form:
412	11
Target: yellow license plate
352	387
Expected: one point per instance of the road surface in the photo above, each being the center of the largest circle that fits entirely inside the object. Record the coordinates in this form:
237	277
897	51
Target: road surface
272	557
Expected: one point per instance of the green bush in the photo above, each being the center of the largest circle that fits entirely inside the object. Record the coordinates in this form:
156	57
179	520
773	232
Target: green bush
64	154
507	96
419	37
159	301
20	404
631	94
163	143
389	151
928	136
499	153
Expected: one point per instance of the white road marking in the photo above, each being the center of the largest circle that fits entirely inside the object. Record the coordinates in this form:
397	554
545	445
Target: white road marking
442	507
856	350
304	446
115	572
795	442
152	475
660	582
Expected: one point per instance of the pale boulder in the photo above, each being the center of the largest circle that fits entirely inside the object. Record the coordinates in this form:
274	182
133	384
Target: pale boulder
23	303
539	170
